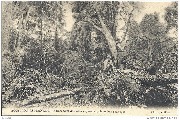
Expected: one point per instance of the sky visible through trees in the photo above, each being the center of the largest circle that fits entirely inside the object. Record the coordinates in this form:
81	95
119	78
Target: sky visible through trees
82	53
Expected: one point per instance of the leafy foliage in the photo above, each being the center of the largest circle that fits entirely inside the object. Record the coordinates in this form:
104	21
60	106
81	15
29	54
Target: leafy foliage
171	15
44	59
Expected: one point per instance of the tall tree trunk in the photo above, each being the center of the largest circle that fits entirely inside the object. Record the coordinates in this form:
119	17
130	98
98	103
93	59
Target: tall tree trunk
56	42
41	34
150	42
42	63
110	40
113	19
128	25
22	26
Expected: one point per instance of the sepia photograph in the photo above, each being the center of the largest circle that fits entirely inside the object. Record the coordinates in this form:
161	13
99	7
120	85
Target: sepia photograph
89	58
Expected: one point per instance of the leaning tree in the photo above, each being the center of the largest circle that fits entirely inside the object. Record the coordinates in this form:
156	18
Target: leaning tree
95	20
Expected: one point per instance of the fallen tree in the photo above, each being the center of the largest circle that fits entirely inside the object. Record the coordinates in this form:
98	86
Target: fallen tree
49	97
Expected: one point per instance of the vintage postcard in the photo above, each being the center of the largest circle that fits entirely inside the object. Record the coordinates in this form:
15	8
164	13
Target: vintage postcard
89	58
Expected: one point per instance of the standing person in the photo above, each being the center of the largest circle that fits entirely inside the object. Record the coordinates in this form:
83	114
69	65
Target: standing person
108	64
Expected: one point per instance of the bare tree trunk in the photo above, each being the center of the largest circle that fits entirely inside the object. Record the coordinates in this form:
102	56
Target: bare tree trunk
22	26
128	24
41	35
110	40
112	19
150	50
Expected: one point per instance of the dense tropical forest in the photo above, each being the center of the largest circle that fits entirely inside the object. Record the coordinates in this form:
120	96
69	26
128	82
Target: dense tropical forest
107	57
